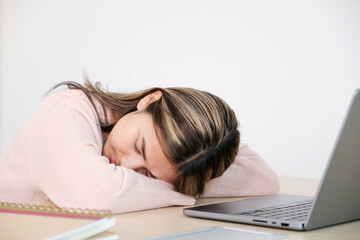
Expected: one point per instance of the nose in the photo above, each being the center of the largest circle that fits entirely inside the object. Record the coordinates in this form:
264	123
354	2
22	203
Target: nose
133	161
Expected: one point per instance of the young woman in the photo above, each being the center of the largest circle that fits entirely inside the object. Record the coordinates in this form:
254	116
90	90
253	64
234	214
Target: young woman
87	148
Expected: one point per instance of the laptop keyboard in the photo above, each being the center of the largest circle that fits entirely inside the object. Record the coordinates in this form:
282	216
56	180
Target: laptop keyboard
294	211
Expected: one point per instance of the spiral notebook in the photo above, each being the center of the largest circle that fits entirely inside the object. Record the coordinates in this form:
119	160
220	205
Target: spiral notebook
18	221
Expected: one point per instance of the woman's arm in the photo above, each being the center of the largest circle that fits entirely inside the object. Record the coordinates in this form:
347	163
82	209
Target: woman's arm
66	162
249	175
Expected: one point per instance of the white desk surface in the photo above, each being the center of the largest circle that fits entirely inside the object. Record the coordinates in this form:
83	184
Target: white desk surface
164	221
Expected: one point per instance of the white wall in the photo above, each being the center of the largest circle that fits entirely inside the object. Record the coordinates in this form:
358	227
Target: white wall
288	68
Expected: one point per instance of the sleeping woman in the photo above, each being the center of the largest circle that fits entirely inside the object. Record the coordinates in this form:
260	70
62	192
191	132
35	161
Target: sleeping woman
89	148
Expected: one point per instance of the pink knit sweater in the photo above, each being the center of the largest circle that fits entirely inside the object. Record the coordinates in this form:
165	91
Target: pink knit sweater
56	159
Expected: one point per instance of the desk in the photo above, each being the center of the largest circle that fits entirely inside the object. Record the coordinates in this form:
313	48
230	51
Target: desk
164	221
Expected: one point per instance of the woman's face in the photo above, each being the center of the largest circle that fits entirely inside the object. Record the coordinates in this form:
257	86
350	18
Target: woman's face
133	144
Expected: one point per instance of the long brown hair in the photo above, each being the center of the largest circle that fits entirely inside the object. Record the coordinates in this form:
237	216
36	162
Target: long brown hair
198	131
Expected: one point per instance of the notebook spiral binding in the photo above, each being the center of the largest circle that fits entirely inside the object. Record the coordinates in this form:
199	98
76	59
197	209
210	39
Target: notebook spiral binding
53	210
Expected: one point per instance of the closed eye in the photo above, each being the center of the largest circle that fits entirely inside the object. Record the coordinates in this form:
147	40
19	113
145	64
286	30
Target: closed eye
148	174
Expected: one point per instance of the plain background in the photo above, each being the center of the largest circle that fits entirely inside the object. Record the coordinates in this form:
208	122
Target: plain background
288	68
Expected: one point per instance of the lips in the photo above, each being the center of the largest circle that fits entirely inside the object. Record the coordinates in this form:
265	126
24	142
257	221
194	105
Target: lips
112	159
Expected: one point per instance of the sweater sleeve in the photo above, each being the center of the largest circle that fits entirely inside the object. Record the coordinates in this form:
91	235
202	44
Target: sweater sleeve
249	175
66	163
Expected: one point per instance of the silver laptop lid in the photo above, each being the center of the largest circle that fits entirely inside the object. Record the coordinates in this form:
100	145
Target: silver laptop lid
338	197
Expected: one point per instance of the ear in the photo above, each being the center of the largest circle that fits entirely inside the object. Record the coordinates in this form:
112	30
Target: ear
149	99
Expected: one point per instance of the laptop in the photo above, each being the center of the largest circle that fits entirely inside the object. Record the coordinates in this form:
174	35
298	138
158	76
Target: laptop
337	199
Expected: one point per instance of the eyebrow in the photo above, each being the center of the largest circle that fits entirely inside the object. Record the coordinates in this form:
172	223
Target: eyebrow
143	144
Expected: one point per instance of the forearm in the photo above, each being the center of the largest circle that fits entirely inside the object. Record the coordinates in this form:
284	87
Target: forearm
249	175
